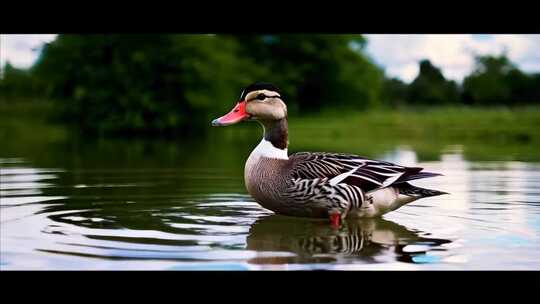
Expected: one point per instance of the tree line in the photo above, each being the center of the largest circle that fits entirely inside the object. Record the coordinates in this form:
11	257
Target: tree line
494	81
169	84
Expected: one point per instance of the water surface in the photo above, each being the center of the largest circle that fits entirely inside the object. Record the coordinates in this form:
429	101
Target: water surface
121	204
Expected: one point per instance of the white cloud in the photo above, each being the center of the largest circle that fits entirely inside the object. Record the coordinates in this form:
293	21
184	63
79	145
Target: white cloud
399	54
22	50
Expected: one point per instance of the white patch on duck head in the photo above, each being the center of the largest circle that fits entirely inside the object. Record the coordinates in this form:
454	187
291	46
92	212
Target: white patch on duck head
266	149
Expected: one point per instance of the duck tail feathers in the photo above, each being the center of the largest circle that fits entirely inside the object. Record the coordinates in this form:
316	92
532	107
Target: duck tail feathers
410	190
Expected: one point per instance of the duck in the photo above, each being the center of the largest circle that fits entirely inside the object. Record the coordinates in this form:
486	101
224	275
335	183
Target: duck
330	185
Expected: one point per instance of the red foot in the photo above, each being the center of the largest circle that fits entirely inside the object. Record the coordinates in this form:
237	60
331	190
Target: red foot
335	220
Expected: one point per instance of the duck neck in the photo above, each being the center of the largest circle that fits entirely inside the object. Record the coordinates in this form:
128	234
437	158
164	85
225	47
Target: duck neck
277	133
276	139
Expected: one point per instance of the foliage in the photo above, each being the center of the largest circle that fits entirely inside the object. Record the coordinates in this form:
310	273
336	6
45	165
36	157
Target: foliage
18	83
394	92
496	80
138	83
316	71
430	87
175	84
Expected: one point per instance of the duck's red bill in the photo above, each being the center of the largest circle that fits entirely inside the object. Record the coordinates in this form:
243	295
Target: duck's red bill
237	114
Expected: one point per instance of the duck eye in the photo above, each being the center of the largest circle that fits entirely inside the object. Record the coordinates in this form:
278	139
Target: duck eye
261	96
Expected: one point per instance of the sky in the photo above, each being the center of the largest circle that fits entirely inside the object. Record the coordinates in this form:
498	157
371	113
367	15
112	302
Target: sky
398	55
454	54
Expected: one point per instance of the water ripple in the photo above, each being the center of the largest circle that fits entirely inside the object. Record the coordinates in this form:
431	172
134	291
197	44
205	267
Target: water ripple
201	218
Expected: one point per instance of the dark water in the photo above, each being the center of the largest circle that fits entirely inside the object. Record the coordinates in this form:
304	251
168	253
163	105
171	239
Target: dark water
182	206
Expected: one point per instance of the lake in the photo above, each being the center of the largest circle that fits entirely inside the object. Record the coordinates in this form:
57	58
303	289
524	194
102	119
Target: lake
71	203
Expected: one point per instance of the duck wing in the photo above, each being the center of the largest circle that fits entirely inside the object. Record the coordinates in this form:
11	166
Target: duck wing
368	174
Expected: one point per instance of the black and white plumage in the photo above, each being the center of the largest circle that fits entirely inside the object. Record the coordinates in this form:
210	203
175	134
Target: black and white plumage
316	184
367	174
346	182
322	191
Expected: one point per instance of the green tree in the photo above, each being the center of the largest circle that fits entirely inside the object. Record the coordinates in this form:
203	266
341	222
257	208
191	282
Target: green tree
141	83
496	80
175	83
394	92
488	82
17	83
315	71
431	88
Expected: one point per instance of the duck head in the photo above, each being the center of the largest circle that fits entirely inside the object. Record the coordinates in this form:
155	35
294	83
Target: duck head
258	101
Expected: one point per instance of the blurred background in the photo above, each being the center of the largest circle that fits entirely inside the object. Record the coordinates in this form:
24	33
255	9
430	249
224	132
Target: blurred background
171	86
107	152
454	88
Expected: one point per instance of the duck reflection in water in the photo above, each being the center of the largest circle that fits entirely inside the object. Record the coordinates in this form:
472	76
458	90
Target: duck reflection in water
358	240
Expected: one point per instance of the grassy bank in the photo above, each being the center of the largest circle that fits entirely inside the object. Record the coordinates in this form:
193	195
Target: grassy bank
481	133
30	121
